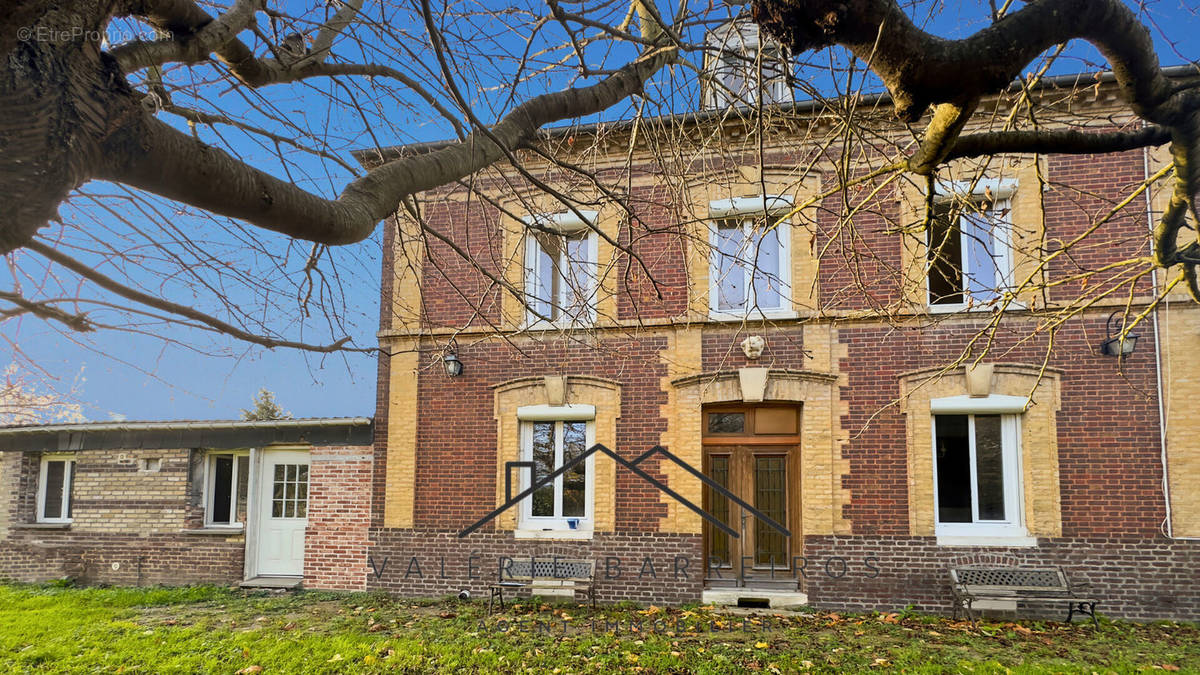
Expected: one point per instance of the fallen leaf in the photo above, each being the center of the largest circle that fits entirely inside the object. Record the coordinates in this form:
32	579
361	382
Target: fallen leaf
249	670
761	645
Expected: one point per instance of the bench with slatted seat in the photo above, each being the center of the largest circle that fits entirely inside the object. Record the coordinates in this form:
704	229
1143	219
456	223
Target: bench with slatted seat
545	573
972	583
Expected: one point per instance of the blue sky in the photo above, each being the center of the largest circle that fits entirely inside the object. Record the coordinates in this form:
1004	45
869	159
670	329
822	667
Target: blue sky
162	372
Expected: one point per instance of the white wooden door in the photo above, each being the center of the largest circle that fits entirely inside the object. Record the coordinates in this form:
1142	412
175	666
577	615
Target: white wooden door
283	512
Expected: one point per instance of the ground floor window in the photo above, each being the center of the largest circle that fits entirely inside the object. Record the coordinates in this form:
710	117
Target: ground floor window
977	473
54	488
565	503
228	481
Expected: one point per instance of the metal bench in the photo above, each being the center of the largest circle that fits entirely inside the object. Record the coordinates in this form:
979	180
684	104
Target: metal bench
545	573
971	583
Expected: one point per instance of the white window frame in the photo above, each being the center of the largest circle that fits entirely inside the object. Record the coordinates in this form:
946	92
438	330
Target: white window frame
1001	250
743	39
749	210
210	478
1011	531
68	487
534	526
569	226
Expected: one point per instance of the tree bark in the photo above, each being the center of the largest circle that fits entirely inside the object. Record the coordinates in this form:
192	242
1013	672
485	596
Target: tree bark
53	138
60	97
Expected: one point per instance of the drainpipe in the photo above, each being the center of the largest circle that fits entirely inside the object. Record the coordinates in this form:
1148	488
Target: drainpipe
1166	527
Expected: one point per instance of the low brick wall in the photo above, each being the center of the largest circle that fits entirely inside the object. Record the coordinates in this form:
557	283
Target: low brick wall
1135	579
88	557
1139	579
643	568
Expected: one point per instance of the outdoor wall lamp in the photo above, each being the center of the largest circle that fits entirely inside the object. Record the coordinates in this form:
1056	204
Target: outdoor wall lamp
1116	344
450	361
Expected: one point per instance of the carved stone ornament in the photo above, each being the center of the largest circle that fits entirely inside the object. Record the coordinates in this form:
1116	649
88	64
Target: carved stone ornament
753	346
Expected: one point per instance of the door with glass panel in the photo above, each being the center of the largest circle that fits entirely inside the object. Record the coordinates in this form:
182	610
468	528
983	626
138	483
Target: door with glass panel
282	512
752	451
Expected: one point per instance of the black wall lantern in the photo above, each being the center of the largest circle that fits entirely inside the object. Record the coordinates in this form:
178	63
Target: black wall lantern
1116	344
453	366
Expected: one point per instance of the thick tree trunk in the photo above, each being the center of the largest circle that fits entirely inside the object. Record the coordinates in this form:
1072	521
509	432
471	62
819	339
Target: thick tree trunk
60	97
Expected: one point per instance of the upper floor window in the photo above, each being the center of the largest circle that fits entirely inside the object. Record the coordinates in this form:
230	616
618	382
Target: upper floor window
750	264
565	503
736	61
560	269
977	474
54	488
970	250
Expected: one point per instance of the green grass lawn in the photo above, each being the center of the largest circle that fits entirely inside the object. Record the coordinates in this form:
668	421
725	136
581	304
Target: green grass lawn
218	630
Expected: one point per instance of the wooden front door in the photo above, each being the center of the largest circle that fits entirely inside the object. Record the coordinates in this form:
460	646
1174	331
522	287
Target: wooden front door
753	452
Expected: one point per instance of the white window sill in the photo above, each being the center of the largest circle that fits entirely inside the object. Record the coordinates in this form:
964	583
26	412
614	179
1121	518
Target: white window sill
215	530
47	525
559	325
978	308
1006	541
755	315
530	533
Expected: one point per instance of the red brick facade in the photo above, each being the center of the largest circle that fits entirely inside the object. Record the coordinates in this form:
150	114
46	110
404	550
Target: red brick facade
339	516
1109	449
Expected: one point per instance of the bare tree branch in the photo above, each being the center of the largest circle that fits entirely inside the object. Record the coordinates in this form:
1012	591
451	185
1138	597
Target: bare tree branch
192	36
214	323
149	156
955	74
1052	141
45	310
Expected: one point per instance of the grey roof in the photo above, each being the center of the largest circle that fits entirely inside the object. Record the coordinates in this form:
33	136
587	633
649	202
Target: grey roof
216	434
372	156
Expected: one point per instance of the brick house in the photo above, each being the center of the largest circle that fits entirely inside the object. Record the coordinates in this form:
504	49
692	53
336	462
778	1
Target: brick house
264	503
839	396
722	305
